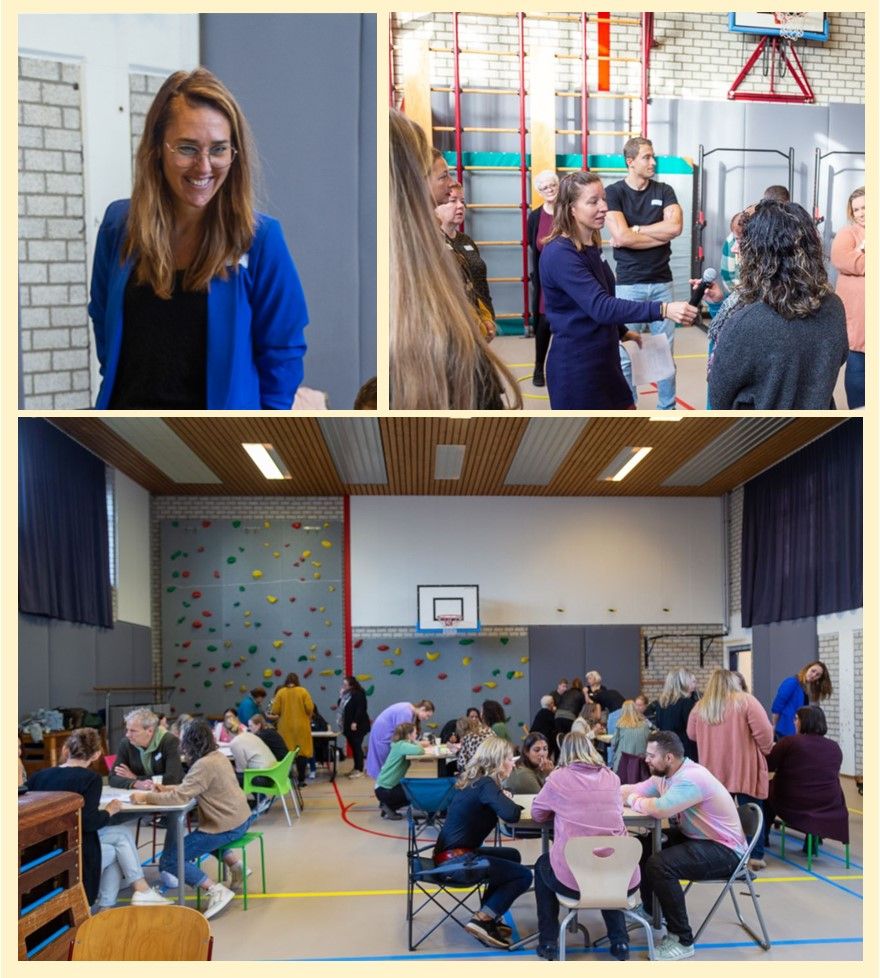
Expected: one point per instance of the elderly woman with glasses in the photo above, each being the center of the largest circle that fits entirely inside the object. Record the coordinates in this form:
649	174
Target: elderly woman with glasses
195	299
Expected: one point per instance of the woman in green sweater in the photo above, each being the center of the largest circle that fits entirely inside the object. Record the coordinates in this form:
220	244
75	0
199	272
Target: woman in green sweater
388	789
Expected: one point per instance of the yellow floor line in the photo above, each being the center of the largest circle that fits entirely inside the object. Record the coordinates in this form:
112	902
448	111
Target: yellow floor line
689	356
855	811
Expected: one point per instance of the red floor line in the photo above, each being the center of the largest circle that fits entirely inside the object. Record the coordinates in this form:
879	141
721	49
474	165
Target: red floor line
678	400
343	812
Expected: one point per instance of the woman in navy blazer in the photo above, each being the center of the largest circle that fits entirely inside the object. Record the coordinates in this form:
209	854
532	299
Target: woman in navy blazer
586	320
195	299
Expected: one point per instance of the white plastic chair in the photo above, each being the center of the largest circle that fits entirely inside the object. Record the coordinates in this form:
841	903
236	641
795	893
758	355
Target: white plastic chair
603	865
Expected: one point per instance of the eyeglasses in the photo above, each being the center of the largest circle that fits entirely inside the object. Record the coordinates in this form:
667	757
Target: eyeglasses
186	154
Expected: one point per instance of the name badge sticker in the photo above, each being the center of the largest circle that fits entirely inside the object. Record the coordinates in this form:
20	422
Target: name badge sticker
656	203
468	247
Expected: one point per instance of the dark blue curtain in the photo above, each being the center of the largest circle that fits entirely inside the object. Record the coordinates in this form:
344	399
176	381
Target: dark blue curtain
63	555
802	532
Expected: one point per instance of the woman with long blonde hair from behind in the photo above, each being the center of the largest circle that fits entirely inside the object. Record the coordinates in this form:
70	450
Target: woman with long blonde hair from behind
439	359
734	736
671	709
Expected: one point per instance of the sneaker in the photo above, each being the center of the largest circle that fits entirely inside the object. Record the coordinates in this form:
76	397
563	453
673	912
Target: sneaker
219	897
538	378
388	812
168	880
235	875
549	952
312	775
263	805
355	774
620	951
486	932
756	864
144	898
505	931
670	949
640	911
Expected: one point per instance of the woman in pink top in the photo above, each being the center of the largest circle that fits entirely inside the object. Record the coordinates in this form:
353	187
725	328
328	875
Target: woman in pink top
734	735
582	796
848	257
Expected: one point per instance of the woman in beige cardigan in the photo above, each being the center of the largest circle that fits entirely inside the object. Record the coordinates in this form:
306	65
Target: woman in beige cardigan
734	735
848	257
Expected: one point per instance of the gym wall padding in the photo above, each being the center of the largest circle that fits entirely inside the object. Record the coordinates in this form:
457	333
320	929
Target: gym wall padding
244	602
780	650
453	672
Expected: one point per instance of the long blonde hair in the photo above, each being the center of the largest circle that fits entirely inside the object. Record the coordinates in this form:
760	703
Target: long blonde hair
678	686
577	748
439	360
723	692
230	221
630	716
486	762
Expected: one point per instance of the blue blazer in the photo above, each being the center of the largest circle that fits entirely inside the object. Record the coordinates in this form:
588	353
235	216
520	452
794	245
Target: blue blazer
256	319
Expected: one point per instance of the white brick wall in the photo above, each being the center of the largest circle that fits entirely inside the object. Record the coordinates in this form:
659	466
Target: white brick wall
858	691
734	550
695	55
829	653
52	269
142	88
678	651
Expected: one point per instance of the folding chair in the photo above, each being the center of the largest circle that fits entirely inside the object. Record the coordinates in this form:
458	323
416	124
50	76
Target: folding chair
466	875
752	820
603	865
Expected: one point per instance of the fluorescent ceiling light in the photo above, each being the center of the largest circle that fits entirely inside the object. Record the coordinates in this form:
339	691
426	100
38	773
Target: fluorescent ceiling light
544	446
162	447
267	460
622	464
667	416
355	445
448	461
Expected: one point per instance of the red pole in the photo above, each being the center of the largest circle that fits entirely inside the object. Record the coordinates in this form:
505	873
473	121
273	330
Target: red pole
346	583
524	184
456	94
584	94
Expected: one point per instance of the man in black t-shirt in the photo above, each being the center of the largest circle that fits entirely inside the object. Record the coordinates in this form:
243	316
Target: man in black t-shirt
643	217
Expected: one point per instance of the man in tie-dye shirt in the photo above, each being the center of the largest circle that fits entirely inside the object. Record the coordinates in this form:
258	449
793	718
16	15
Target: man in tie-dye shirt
707	843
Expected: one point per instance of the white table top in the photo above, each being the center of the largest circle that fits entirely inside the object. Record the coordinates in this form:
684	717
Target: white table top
525	801
124	795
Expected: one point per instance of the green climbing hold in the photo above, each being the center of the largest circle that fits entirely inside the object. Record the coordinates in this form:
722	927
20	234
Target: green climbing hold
252	649
370	690
175	574
236	523
181	620
186	604
231	560
337	672
226	665
171	589
504	640
241	587
268	683
303	658
465	641
426	641
176	554
397	672
236	604
207	683
496	672
175	523
212	648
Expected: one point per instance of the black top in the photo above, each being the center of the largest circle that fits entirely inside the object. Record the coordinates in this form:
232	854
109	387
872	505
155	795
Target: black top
608	699
675	718
473	813
641	207
274	741
80	781
543	724
355	711
571	701
165	760
164	354
471	260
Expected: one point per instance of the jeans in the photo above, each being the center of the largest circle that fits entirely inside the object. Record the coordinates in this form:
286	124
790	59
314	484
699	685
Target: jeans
547	886
199	844
681	858
119	862
743	799
854	379
508	878
168	822
650	292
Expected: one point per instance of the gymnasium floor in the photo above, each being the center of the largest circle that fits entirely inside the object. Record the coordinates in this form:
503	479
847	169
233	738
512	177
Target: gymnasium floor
336	891
690	361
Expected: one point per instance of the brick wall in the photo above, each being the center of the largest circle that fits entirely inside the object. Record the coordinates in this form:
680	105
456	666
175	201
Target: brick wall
677	651
493	631
52	260
829	653
734	550
141	89
858	692
695	55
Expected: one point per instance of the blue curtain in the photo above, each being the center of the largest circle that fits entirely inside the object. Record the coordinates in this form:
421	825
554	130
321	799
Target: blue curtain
63	555
802	532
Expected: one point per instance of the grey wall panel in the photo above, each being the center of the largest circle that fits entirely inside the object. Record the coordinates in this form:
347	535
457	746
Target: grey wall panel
307	85
555	651
72	664
33	664
613	651
141	655
113	656
840	174
780	650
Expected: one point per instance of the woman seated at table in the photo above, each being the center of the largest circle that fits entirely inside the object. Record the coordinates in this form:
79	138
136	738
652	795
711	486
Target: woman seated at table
227	729
224	815
109	857
629	744
494	718
532	768
477	805
582	796
471	733
388	789
805	791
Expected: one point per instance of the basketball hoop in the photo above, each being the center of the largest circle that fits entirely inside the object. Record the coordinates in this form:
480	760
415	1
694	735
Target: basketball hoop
792	25
450	623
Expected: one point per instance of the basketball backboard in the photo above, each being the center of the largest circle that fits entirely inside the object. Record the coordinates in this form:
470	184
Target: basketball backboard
815	24
448	607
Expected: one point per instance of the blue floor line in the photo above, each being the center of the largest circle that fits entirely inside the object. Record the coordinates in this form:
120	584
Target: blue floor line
825	852
819	876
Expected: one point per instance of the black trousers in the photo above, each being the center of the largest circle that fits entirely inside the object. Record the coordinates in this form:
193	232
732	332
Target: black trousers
355	741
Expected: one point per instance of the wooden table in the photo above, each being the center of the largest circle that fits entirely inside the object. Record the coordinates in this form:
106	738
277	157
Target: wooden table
178	811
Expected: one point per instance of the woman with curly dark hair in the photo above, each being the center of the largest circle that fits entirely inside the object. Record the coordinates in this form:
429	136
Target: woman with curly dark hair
784	345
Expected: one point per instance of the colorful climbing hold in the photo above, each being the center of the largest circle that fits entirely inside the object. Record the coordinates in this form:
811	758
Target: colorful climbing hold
397	672
370	690
306	554
357	644
496	672
256	574
296	526
433	656
417	662
506	701
326	544
196	623
523	659
326	672
465	641
466	660
207	683
442	675
231	560
271	599
476	689
308	672
383	648
277	644
504	640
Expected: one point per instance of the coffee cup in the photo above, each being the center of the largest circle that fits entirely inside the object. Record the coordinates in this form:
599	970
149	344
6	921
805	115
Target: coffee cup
157	779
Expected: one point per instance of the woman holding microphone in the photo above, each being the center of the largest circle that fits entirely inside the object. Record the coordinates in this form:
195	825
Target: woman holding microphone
586	320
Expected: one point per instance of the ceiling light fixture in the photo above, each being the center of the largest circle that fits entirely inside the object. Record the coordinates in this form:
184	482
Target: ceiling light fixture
622	464
267	460
448	461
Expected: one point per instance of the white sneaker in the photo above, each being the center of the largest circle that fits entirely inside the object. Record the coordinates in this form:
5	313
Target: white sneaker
235	875
219	896
355	774
641	911
144	898
312	775
670	949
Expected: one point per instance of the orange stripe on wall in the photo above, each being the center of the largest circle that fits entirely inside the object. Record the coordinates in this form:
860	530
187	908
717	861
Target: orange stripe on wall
604	50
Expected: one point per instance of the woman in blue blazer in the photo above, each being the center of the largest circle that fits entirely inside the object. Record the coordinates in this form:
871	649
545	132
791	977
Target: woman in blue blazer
195	300
807	688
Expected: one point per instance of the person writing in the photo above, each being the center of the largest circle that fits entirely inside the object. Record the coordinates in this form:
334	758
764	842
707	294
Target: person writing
586	320
389	792
195	300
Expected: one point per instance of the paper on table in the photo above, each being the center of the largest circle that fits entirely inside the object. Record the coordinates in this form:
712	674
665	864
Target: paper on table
108	794
653	362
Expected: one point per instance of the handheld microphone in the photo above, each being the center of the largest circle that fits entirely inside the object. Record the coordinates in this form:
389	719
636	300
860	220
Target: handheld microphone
708	278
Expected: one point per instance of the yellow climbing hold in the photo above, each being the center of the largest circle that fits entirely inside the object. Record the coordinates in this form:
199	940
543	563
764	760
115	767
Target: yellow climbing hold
256	575
267	674
313	646
326	544
276	554
271	599
247	614
277	644
388	662
317	575
322	609
433	656
316	563
242	688
331	588
326	672
266	524
327	622
490	685
397	651
306	554
467	660
524	659
227	684
363	677
517	675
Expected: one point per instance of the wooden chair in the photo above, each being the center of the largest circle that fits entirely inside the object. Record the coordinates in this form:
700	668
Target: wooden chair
160	933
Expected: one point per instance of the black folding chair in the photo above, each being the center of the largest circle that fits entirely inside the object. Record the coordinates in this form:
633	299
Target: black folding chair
447	887
752	820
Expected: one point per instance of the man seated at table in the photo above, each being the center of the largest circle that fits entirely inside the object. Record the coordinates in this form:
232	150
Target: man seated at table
707	843
260	726
146	750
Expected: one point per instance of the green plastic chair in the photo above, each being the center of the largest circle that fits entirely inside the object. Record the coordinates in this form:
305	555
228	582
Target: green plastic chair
279	775
812	844
242	844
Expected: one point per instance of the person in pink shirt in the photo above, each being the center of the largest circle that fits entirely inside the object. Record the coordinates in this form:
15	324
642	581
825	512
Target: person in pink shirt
707	843
582	796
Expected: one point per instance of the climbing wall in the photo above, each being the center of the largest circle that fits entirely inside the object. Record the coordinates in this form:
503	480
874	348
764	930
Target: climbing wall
244	602
454	673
